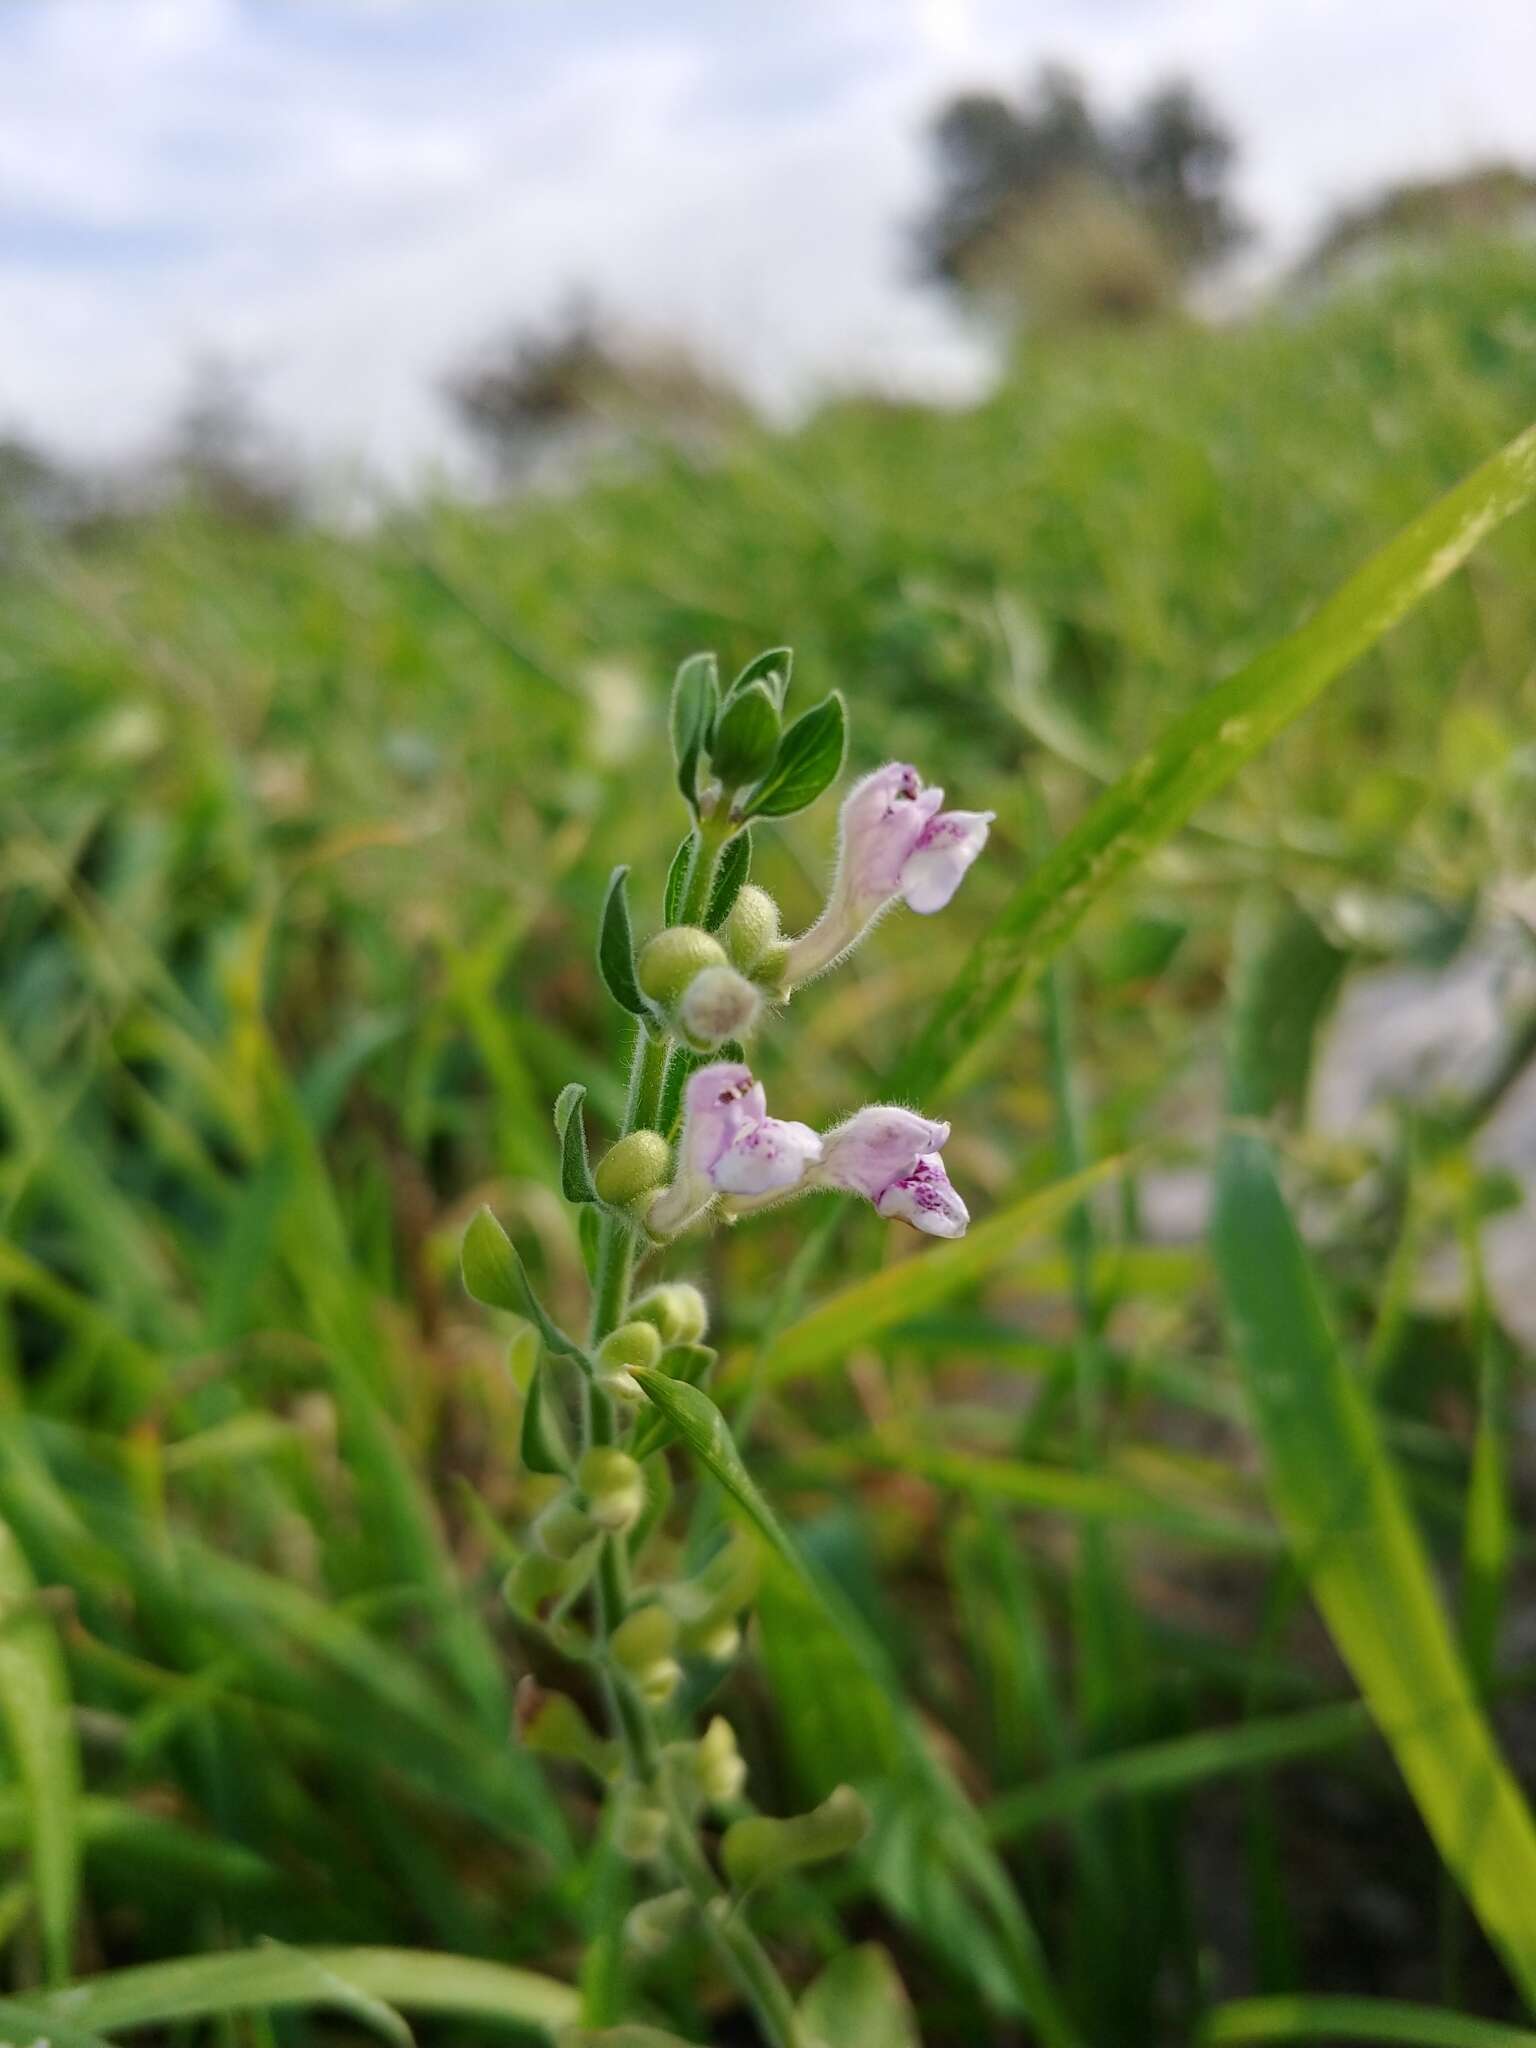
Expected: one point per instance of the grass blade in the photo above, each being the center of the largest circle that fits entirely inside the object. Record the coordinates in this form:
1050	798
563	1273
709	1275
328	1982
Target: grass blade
35	1702
862	1311
155	1994
1342	1505
1336	2020
1204	749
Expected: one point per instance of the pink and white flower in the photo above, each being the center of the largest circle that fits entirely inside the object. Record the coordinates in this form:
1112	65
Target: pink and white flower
893	1158
730	1146
894	841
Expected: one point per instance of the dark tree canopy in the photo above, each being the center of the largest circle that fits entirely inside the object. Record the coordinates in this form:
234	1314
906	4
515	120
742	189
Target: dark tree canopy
1156	182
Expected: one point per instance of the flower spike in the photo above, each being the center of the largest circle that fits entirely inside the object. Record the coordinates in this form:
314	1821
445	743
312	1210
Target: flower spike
894	841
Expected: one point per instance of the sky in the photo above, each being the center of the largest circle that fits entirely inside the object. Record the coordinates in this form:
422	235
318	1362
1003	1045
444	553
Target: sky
345	198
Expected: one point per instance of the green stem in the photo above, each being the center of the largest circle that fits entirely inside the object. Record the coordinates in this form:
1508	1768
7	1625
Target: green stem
743	1955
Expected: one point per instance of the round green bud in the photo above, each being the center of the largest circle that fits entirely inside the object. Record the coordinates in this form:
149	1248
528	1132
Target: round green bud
752	927
678	1310
670	961
639	1828
717	1004
634	1166
651	1927
657	1682
642	1638
563	1528
614	1486
721	1766
771	968
637	1343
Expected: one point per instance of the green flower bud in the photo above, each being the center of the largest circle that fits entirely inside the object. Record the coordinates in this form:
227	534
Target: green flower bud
563	1528
678	1310
746	736
717	1004
639	1828
719	1642
657	1682
722	1768
636	1343
642	1638
641	1645
614	1486
752	928
654	1925
634	1166
773	967
669	962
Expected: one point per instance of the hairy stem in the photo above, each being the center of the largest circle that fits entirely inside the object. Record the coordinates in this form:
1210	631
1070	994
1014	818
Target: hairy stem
743	1955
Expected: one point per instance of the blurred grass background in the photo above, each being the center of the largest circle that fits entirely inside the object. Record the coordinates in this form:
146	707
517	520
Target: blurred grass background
302	839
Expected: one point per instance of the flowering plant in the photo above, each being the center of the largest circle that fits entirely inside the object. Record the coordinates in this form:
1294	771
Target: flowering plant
698	1144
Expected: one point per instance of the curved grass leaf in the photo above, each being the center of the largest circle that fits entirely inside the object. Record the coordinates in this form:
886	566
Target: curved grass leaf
575	1167
1204	749
541	1446
774	666
1353	1536
695	696
809	759
857	1313
679	874
858	2001
494	1275
735	866
35	1704
354	1979
616	947
1337	2020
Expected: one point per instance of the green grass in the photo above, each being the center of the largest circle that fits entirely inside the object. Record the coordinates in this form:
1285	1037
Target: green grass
303	843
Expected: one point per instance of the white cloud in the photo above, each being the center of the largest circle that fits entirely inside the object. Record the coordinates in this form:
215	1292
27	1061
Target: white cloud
351	193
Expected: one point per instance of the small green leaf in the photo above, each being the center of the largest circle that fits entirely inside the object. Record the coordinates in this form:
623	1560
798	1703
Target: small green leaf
735	866
695	697
756	1850
542	1446
575	1168
773	666
703	1428
809	759
616	948
687	1362
551	1724
858	2001
679	874
746	737
494	1275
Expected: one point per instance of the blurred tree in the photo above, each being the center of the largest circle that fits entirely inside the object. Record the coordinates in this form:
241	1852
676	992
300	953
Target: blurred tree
222	454
548	397
1046	209
1488	199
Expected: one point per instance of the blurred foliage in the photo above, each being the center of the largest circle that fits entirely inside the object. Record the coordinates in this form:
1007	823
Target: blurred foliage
1497	199
303	838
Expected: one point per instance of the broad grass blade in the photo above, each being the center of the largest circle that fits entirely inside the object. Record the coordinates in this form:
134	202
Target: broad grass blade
354	1979
35	1703
1342	1505
1337	2020
1204	749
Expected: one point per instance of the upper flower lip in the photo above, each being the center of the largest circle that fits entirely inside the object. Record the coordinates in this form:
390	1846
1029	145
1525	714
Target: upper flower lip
894	841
